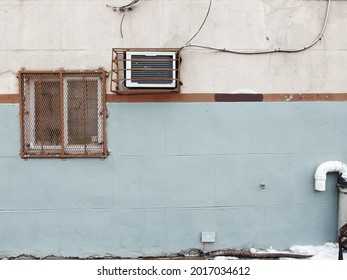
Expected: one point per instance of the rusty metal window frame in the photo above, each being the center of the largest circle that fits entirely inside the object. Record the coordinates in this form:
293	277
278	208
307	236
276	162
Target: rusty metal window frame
119	69
95	146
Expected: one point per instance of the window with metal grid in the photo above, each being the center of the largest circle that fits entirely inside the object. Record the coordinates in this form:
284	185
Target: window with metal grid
63	114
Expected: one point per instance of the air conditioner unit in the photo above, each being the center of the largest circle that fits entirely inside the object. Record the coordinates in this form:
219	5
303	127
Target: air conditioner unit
150	69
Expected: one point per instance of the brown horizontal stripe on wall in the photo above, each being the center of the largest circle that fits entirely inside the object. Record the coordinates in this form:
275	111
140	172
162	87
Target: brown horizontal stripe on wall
305	97
225	97
208	97
9	98
168	97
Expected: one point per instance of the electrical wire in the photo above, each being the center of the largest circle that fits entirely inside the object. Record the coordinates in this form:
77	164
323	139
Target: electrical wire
124	7
267	51
203	23
121	26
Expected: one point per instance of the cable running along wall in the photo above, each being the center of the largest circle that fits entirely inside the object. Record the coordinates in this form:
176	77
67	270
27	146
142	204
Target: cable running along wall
266	51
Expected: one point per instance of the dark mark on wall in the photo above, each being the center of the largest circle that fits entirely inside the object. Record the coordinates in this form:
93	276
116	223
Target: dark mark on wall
238	97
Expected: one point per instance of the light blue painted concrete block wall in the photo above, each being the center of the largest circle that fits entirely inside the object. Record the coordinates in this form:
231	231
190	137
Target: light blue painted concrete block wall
177	169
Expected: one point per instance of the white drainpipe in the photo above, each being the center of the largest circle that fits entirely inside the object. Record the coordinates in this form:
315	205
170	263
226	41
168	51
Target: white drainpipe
320	177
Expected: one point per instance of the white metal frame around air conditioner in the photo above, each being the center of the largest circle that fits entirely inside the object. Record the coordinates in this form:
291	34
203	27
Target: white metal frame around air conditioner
128	72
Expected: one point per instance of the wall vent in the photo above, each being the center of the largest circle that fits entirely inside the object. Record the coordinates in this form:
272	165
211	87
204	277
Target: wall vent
141	71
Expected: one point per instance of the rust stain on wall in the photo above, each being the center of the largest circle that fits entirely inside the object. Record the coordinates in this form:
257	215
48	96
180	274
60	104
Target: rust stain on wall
9	98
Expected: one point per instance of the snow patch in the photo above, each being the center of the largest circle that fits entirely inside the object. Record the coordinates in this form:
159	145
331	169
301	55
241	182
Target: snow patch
328	251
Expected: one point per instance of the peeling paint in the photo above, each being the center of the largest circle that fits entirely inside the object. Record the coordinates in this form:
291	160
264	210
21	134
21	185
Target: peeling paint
289	97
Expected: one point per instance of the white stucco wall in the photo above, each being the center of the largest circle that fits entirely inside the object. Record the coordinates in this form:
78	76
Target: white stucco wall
79	34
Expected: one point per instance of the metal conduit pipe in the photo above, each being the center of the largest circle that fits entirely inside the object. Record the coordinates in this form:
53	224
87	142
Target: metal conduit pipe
320	185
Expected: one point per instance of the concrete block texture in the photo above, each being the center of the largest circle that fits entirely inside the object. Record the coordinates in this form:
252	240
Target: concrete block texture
176	170
242	170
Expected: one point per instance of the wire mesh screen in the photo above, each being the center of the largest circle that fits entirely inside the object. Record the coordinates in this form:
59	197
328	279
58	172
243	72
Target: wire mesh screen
63	114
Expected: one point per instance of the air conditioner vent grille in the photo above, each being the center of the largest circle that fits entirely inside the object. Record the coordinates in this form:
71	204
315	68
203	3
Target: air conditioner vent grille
146	63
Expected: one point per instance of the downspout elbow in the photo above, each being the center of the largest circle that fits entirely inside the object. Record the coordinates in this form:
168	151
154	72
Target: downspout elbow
320	175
